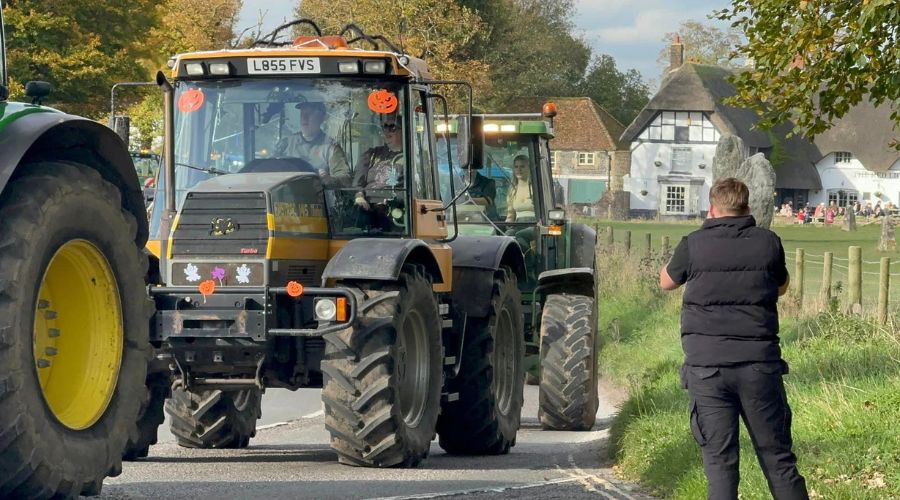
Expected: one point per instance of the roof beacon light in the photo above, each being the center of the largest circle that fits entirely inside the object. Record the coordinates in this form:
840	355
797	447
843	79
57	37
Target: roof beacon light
348	67
549	109
379	67
194	69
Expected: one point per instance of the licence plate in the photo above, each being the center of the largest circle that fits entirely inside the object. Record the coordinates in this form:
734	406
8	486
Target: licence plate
282	65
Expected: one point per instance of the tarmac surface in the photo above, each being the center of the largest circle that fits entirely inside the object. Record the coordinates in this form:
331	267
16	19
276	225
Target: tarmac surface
290	458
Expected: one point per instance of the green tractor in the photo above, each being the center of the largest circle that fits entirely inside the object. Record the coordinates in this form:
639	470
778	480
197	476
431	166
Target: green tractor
512	193
74	313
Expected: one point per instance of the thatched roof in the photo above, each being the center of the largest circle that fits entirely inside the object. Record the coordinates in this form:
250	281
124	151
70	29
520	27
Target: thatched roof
580	124
699	87
866	131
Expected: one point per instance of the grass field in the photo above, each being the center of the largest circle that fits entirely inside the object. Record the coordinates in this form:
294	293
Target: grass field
843	388
815	241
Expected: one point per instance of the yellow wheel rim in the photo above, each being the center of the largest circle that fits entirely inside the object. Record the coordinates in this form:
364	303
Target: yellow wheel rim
78	334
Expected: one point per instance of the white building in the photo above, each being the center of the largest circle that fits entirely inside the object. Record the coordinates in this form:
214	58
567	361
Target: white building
858	162
673	141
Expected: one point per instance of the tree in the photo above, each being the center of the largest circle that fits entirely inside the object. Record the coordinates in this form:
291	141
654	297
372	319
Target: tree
813	60
184	27
623	95
435	30
81	47
529	48
703	44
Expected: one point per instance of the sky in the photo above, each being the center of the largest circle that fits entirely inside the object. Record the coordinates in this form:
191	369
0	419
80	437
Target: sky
629	30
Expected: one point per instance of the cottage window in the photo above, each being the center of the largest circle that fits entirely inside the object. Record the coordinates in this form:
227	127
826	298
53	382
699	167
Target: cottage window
585	159
675	199
842	197
681	127
842	157
681	159
553	160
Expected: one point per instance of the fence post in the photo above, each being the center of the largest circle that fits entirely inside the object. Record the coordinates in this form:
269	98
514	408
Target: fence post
627	242
609	236
884	285
854	278
649	238
798	272
665	245
826	279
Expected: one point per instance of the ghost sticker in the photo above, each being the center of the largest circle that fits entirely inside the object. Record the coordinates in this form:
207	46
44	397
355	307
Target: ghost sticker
191	100
383	101
190	271
243	274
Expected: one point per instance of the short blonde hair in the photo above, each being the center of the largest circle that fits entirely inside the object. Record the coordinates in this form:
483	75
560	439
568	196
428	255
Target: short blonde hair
730	195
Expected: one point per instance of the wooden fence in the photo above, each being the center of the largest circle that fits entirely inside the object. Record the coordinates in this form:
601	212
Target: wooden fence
853	268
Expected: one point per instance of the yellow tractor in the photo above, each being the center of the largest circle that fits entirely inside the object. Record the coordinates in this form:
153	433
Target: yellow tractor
300	240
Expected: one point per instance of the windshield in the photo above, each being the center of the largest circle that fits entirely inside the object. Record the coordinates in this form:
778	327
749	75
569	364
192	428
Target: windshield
349	132
502	192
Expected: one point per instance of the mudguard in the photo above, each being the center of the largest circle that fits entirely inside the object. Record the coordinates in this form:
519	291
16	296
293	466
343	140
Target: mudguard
380	259
477	256
574	280
33	134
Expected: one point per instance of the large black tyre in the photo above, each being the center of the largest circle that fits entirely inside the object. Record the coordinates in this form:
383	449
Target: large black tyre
151	418
64	214
214	418
485	418
568	398
383	376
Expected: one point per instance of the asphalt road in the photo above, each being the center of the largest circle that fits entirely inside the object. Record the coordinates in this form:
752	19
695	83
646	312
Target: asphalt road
290	459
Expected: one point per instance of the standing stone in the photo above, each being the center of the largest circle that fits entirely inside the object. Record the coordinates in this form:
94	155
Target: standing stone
849	220
888	242
756	172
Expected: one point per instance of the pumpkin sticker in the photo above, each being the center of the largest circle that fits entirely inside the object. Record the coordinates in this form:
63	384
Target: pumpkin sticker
208	287
294	289
383	101
191	100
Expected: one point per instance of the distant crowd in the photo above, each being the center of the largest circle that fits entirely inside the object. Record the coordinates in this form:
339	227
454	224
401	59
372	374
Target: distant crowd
822	214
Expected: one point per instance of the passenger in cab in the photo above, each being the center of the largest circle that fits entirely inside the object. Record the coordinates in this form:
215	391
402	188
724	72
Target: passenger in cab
519	202
378	172
483	192
312	144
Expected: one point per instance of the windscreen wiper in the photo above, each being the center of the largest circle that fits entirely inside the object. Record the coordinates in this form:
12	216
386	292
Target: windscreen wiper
209	170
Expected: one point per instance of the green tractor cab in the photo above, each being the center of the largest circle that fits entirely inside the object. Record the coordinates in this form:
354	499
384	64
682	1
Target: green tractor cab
512	193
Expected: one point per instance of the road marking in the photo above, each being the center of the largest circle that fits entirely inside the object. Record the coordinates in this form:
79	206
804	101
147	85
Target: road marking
499	489
279	424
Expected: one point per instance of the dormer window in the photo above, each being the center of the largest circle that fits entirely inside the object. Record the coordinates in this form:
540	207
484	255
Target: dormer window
680	127
843	157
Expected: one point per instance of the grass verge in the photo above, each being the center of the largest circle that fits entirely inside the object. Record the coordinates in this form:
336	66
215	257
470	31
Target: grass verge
844	389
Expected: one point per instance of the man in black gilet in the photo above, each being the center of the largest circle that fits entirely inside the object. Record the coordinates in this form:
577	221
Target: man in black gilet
734	272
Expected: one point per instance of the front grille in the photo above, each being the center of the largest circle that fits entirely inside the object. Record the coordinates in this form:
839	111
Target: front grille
222	224
306	275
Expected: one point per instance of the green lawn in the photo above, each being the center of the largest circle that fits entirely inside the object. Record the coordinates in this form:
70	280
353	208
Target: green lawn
843	388
814	240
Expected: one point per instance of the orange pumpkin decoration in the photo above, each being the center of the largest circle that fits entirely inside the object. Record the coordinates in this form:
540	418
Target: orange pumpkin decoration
383	101
191	100
208	287
294	289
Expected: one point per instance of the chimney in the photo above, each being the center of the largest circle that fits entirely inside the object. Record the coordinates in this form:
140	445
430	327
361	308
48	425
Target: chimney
676	54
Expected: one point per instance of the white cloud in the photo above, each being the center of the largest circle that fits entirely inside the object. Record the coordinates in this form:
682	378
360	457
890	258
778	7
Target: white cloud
598	9
648	25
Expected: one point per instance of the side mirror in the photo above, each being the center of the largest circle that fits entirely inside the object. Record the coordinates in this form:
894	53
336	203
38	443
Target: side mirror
122	127
463	142
37	91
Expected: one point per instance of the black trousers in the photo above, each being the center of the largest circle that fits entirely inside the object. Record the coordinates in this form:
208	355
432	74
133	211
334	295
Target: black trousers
755	393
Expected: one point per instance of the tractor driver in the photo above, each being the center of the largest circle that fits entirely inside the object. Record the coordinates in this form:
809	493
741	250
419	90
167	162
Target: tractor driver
312	144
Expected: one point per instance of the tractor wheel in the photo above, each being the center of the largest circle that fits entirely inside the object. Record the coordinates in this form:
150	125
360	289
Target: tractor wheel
151	418
214	418
485	419
568	395
74	332
383	376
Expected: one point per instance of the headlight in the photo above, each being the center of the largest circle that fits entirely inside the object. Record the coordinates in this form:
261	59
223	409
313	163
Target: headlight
348	67
194	69
326	310
221	69
374	67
